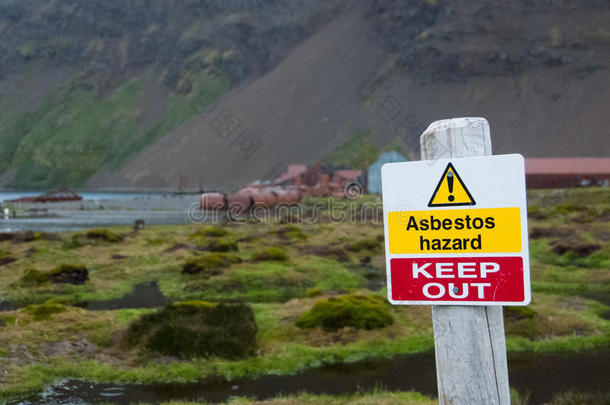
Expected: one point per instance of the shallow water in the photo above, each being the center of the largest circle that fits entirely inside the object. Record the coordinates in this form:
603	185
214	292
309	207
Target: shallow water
12	195
543	375
71	220
144	295
98	210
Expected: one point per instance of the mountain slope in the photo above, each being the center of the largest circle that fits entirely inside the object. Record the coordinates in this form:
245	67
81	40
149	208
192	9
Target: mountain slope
342	81
227	92
135	70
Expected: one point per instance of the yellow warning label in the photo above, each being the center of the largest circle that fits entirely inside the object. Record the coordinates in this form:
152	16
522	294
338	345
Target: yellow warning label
450	190
483	230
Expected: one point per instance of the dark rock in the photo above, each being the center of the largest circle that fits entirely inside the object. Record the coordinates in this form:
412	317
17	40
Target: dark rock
139	224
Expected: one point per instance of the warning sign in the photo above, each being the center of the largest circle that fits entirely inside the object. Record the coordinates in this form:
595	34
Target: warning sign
456	231
450	190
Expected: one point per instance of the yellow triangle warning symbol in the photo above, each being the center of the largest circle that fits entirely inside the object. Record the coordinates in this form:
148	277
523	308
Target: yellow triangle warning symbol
450	190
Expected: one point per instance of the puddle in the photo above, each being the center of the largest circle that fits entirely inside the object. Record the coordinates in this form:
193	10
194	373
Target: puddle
8	306
143	295
544	375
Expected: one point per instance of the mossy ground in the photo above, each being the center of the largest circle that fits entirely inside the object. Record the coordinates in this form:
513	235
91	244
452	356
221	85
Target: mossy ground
326	258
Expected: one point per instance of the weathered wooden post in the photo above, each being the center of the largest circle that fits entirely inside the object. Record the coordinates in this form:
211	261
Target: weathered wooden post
469	341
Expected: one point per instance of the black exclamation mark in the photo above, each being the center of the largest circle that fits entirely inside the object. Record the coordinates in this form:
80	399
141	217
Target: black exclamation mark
450	184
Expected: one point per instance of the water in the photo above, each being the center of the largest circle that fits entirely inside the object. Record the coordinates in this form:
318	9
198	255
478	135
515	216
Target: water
87	196
144	295
98	210
544	375
68	220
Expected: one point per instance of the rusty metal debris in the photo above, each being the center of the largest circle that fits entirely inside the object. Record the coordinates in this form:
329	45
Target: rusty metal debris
299	181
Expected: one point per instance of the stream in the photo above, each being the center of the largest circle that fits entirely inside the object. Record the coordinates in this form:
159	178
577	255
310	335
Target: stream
544	375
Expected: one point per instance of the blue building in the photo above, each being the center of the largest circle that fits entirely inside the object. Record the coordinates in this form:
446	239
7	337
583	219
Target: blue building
374	172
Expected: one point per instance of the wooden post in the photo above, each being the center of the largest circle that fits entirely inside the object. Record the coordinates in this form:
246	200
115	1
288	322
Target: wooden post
470	347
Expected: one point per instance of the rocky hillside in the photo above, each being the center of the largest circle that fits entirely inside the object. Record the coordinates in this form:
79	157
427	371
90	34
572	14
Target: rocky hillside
211	94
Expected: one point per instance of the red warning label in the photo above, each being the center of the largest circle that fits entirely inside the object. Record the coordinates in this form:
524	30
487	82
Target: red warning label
474	280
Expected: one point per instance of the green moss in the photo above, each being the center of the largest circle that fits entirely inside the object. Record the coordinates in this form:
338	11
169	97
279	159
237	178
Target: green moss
194	303
212	231
271	253
104	235
567	208
75	132
520	312
7	320
535	212
291	232
32	277
197	329
522	321
44	311
358	311
364	244
222	245
313	292
209	264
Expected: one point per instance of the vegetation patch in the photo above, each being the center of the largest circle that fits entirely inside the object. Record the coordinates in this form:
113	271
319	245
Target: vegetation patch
221	245
522	321
291	232
354	310
334	253
209	264
26	236
42	312
271	253
197	329
364	244
69	274
104	235
212	231
32	278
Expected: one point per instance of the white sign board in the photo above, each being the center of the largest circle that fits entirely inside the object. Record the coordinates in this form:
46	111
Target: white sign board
456	231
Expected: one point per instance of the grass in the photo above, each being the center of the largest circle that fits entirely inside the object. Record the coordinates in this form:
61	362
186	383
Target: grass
75	132
353	310
377	396
196	329
282	272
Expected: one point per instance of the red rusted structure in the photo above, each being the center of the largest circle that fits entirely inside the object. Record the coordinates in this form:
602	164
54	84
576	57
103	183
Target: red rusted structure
213	201
298	182
52	196
567	172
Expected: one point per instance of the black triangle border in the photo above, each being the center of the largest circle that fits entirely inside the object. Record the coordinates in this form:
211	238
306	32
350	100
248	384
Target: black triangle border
450	166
